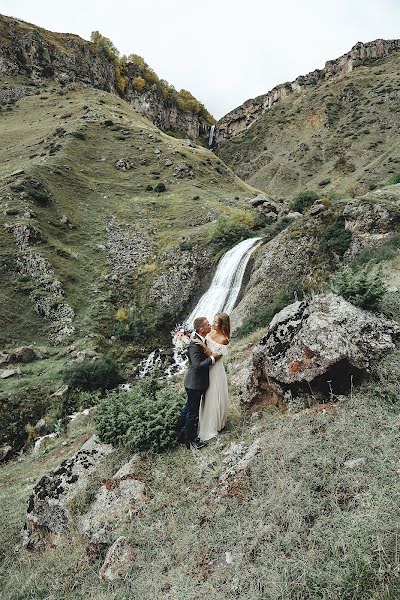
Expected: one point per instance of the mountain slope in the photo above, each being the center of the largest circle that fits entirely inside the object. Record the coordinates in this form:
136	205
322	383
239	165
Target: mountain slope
337	134
80	235
32	51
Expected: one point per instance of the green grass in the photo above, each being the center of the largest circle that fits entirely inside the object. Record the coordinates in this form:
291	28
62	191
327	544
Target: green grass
300	524
84	185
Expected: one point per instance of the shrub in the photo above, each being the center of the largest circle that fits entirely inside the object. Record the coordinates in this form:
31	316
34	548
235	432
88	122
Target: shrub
262	316
336	239
364	289
101	374
230	229
143	419
304	200
105	44
395	178
160	187
149	188
79	135
138	83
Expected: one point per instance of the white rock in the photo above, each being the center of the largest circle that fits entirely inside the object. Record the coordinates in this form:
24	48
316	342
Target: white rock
8	373
117	561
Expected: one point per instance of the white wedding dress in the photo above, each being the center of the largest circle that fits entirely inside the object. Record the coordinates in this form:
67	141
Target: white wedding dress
214	405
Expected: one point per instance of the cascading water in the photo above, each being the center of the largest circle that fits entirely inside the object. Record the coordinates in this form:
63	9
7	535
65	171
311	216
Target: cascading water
211	136
221	296
225	287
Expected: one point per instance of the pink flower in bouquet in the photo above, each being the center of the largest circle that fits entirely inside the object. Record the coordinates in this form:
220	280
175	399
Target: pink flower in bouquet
180	337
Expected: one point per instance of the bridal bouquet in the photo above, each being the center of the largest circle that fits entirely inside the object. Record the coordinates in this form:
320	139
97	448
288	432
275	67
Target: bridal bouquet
180	337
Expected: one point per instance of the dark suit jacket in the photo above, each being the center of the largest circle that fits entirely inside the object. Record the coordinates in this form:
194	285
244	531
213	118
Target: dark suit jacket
197	376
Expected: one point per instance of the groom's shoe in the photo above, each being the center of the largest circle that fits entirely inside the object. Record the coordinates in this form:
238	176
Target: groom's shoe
196	444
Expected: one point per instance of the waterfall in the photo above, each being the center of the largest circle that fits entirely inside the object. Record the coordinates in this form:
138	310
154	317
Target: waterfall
225	287
221	296
211	136
148	363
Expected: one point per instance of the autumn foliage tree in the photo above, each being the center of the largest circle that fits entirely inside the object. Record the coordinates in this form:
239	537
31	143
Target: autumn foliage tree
134	69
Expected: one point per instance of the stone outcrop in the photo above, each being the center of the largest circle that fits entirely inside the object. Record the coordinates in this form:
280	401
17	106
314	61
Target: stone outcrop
127	249
285	262
49	516
48	294
183	270
117	500
321	346
268	207
236	463
26	49
242	117
372	219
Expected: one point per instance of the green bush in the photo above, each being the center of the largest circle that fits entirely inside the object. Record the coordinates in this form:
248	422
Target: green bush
395	178
143	419
262	316
336	239
101	374
160	187
304	200
362	288
79	135
231	229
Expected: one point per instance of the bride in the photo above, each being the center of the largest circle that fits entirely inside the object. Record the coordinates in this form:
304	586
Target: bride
214	405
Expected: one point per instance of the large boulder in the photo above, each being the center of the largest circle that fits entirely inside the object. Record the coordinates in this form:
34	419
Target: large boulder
48	514
322	345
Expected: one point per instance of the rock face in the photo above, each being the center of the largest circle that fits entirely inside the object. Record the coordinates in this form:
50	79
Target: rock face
179	282
242	117
320	345
284	262
117	499
372	219
29	50
48	296
48	515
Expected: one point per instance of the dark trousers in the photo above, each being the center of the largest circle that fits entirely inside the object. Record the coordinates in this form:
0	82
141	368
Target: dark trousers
190	413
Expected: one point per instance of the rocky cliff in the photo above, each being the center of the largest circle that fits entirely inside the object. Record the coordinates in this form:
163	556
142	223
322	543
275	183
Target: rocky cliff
31	51
242	117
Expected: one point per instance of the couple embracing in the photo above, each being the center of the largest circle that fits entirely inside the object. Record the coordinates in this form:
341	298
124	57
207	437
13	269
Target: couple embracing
206	385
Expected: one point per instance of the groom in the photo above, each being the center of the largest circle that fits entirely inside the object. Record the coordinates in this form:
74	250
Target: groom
196	381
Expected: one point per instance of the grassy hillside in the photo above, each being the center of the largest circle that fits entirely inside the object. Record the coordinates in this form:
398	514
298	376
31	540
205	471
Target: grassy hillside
342	136
315	516
97	227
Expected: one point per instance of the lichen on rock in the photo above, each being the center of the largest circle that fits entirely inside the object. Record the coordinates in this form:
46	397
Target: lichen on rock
321	345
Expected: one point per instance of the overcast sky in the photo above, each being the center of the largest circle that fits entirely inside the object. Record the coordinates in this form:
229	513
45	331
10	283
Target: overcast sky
223	51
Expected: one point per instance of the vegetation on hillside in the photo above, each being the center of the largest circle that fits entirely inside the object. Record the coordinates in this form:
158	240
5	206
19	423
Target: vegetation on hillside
134	69
142	419
339	136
